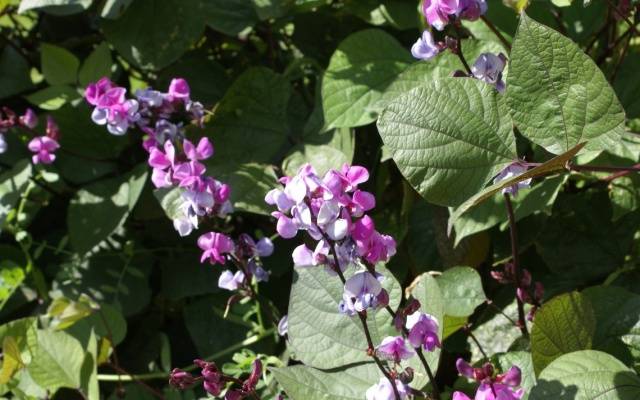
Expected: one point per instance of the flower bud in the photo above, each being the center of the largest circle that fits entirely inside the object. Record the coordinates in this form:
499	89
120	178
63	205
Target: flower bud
181	379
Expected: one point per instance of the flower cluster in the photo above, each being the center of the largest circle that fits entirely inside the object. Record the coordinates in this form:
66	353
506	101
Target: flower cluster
384	391
511	171
44	146
527	291
245	253
492	386
439	12
215	381
488	68
176	161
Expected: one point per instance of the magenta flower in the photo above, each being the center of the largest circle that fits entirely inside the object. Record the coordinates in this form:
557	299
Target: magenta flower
504	385
384	391
376	247
511	171
202	151
43	148
213	379
94	91
425	48
214	246
437	12
179	89
181	379
423	330
395	348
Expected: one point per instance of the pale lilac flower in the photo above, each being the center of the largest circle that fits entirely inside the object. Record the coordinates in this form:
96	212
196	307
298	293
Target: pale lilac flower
215	245
511	171
360	293
230	281
264	247
283	325
423	330
425	48
383	390
43	148
395	348
149	97
3	143
488	68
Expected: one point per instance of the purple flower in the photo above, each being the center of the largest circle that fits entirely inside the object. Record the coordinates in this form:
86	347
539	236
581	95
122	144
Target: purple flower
283	325
43	148
230	281
212	377
395	348
376	247
485	392
511	171
149	97
3	144
258	272
94	91
383	390
181	379
425	48
29	119
215	245
264	247
437	11
488	68
251	382
423	330
179	89
202	151
473	9
504	385
360	293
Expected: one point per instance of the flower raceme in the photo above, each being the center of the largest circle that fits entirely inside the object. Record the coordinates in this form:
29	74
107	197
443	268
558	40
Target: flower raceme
439	12
492	386
44	146
176	161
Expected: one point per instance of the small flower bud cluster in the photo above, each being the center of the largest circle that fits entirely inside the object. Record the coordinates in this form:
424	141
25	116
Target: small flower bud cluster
440	12
176	161
492	386
215	381
528	292
332	211
246	253
43	147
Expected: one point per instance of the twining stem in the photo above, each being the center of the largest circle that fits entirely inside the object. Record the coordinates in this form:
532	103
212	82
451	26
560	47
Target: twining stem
624	17
459	49
467	330
516	263
496	32
363	320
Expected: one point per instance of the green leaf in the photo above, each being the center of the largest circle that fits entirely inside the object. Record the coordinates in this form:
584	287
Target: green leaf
99	209
11	277
89	372
153	33
96	66
322	337
627	85
585	375
461	291
539	198
170	200
57	360
362	66
11	359
625	195
322	157
12	184
555	164
465	116
557	95
250	122
617	322
229	16
14	73
301	382
56	7
114	9
562	325
53	97
184	276
107	322
59	66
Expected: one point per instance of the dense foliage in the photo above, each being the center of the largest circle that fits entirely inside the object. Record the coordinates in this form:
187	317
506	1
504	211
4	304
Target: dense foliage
320	199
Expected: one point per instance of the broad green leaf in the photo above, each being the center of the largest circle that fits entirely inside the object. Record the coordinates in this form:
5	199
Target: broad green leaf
250	122
322	337
184	276
427	291
249	184
586	375
555	164
170	200
539	198
449	137
562	325
461	291
627	85
322	157
96	66
56	7
153	33
53	97
12	184
496	331
89	371
617	322
301	382
11	277
57	360
11	359
229	16
362	66
557	95
625	195
14	73
66	312
113	9
59	65
101	208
